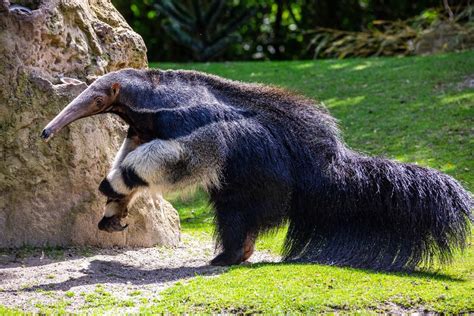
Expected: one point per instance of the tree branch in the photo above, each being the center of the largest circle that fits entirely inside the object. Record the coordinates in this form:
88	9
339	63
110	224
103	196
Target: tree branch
448	9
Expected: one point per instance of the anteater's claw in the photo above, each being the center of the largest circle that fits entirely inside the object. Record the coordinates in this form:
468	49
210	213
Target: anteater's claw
111	224
123	227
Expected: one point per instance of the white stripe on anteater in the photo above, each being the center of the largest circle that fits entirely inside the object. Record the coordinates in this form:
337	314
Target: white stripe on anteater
112	208
116	182
173	164
127	146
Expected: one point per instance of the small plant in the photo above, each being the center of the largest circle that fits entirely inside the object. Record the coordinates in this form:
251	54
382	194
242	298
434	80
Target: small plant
135	293
57	307
53	252
86	251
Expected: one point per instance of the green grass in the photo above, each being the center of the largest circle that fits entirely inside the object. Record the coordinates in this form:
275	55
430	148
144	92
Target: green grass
409	109
102	300
290	288
9	311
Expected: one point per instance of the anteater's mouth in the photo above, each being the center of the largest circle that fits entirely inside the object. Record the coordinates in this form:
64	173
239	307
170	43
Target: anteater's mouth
46	134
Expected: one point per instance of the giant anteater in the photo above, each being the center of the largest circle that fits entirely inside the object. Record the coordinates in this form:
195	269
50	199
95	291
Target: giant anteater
269	157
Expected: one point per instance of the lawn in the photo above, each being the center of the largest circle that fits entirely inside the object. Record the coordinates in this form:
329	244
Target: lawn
418	109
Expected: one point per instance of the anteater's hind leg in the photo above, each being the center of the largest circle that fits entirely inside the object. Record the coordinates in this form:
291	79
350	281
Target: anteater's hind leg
245	211
234	237
249	246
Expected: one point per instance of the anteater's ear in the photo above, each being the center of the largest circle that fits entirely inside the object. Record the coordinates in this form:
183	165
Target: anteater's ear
115	89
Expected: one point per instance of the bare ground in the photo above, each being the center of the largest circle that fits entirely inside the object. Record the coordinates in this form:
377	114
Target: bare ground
78	279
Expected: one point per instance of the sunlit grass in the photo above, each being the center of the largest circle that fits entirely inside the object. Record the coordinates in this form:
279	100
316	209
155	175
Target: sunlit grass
308	288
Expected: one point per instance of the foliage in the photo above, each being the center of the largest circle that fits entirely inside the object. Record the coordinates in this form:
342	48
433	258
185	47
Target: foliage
335	43
390	38
278	29
206	28
9	311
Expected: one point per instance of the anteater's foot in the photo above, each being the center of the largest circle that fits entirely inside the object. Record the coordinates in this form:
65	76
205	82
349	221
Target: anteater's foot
228	258
249	247
111	224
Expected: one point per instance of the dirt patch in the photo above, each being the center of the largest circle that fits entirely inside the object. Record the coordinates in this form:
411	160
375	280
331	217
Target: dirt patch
80	279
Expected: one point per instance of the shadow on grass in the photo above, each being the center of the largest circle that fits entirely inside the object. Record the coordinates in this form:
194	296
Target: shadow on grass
100	271
431	275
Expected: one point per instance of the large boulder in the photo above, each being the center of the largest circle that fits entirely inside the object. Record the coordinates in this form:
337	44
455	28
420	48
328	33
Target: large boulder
49	51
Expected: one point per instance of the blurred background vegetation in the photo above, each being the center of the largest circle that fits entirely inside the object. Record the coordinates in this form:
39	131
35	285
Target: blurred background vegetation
202	30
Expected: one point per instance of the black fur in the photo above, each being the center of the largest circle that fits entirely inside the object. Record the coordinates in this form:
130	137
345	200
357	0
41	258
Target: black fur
106	189
286	163
131	179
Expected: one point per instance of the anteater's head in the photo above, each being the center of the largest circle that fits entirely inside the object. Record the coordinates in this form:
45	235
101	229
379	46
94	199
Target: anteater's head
98	98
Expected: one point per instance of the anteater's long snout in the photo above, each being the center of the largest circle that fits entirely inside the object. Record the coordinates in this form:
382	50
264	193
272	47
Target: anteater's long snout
75	110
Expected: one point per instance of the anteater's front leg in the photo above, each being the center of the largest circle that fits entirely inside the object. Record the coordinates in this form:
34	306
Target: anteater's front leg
115	210
167	165
116	207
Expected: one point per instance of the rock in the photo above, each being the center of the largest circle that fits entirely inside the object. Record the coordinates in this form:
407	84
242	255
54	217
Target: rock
49	49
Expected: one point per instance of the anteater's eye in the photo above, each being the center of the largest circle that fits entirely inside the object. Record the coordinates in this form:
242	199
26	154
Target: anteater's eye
99	101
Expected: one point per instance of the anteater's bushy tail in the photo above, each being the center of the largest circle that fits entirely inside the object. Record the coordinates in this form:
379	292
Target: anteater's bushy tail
379	214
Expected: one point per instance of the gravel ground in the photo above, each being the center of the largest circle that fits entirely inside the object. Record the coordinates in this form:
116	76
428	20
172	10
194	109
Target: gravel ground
35	279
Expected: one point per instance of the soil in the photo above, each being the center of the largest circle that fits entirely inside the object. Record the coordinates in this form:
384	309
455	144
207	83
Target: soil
31	278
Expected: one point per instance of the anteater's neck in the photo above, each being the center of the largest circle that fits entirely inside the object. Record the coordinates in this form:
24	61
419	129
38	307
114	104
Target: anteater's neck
167	105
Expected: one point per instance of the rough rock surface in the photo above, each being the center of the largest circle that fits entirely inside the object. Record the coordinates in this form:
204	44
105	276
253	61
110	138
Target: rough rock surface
48	192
